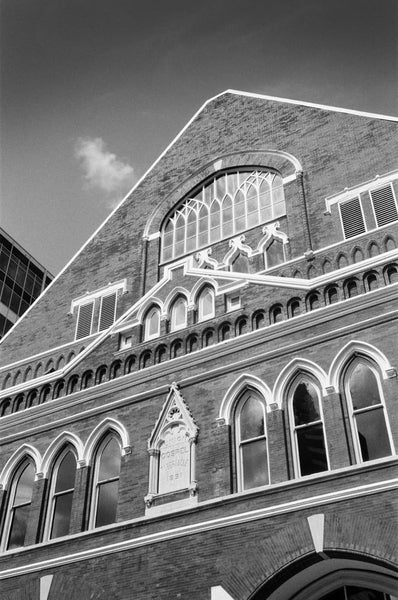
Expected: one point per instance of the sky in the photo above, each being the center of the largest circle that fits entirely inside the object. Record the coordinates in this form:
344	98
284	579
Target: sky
92	91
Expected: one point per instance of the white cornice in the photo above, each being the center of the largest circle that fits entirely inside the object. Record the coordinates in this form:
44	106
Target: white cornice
359	189
188	530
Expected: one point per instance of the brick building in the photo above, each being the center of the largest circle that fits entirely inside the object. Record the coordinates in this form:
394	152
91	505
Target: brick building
202	405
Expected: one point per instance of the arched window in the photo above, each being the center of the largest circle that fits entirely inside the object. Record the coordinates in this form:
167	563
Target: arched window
206	304
225	205
152	324
275	314
160	354
208	338
293	308
331	294
30	400
18	403
106	482
258	320
72	384
100	375
19	501
176	349
87	380
308	431
59	388
391	274
145	359
371	281
241	326
5	407
367	412
45	394
251	442
129	364
178	314
61	495
224	332
351	288
115	369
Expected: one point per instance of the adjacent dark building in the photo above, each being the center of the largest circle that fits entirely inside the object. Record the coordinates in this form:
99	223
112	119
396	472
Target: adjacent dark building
22	280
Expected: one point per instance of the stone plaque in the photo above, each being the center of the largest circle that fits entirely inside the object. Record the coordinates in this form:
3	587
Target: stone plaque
174	463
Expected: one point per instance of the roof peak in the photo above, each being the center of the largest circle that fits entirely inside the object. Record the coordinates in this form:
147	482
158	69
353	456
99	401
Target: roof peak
304	103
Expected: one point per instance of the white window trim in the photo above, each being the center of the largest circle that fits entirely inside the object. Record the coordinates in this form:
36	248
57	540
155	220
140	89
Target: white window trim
238	442
94	482
119	286
231	307
173	325
293	427
367	186
51	496
352	414
374	189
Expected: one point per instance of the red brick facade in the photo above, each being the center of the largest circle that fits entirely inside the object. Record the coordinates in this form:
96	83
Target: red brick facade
322	317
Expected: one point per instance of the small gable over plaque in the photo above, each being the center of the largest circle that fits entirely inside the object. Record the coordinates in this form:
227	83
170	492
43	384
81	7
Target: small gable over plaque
172	449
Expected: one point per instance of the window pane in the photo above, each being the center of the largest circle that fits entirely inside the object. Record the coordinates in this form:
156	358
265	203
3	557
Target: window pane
311	447
62	512
363	387
66	473
18	527
251	419
153	323
107	503
179	313
305	404
110	461
254	464
205	304
23	492
372	433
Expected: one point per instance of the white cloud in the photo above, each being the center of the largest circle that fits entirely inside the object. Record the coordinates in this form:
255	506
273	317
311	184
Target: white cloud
102	169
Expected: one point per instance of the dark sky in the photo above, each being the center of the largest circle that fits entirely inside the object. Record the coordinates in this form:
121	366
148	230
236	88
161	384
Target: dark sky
92	91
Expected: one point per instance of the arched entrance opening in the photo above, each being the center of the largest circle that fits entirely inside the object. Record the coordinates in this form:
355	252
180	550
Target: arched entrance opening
331	579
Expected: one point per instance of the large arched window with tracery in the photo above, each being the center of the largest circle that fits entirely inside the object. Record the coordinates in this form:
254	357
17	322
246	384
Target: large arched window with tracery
308	431
363	390
251	441
19	501
227	204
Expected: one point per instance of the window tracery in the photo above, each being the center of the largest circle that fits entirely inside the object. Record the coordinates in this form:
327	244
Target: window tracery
230	203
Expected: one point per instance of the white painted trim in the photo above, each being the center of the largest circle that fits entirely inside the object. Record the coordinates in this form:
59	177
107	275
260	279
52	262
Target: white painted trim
105	290
172	296
110	425
349	111
45	586
349	350
191	529
63	439
244	381
295	366
316	524
356	190
26	450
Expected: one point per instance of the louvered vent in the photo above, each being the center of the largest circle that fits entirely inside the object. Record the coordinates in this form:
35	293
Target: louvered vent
84	320
351	216
384	205
107	316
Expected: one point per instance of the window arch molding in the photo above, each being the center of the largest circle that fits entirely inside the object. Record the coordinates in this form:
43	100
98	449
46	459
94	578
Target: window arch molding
355	348
265	158
64	439
234	392
310	452
147	305
293	369
25	451
173	296
199	286
107	426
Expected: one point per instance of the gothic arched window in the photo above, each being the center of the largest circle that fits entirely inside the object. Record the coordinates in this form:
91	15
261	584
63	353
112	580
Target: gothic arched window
225	205
251	442
206	304
178	314
152	324
61	494
106	482
308	431
19	501
367	412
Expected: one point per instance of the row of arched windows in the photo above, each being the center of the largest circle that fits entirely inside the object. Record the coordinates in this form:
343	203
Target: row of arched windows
307	420
103	491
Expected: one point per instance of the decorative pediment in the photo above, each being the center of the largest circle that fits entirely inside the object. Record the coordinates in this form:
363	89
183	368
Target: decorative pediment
237	246
174	412
271	232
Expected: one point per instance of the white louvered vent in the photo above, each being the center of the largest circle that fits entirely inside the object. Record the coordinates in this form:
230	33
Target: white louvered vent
107	313
384	205
352	218
84	320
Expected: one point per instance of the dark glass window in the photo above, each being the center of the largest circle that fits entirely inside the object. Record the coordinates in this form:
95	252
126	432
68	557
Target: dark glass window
107	483
20	500
251	442
308	429
64	484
